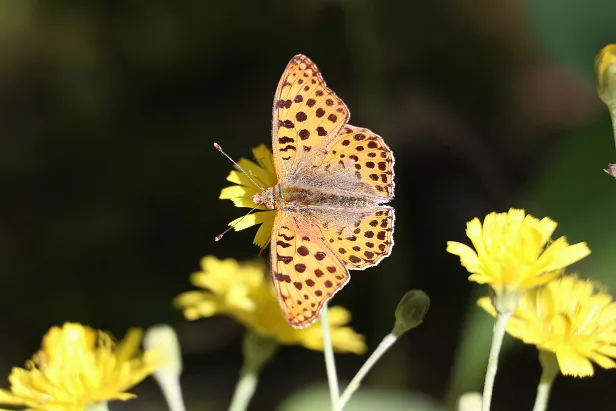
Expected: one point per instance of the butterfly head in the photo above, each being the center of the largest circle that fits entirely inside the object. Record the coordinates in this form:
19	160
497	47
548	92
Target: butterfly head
267	198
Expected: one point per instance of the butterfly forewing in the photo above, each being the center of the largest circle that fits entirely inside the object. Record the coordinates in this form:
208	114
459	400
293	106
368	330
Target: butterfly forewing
306	115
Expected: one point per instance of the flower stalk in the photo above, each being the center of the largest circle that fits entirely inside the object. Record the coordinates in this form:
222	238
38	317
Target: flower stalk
330	362
164	338
244	391
100	406
549	367
498	335
409	314
258	351
385	345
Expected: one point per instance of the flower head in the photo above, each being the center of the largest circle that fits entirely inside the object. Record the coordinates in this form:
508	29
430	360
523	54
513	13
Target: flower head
78	367
513	252
572	318
605	66
242	291
263	173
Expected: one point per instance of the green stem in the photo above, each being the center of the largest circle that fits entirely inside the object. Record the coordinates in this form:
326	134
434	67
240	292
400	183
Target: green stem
387	342
258	350
330	363
497	341
550	370
244	390
172	391
613	118
611	167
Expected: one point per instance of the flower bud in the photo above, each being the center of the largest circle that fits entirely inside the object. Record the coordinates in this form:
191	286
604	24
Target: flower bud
411	311
605	66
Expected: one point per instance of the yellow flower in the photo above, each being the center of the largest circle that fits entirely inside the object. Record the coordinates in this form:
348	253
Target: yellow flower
513	252
605	66
242	291
571	318
78	367
263	173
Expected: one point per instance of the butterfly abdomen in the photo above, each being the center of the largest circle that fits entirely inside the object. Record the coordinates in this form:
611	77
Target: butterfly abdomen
294	198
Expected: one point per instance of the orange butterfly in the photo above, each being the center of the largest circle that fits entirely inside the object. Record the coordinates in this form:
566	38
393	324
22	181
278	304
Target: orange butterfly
332	179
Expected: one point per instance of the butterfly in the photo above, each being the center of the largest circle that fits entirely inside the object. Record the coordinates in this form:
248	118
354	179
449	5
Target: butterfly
332	179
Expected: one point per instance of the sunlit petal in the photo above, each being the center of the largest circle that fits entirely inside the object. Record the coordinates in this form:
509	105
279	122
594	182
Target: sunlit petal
79	367
512	251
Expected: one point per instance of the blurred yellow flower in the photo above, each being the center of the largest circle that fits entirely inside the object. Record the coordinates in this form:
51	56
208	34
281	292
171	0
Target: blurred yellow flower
242	291
513	251
263	173
78	367
605	67
571	318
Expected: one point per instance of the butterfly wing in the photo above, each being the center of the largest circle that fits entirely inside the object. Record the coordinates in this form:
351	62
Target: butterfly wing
360	237
306	115
314	146
305	270
362	154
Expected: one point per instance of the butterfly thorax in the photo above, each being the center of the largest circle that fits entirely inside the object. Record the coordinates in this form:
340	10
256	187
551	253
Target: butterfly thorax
290	197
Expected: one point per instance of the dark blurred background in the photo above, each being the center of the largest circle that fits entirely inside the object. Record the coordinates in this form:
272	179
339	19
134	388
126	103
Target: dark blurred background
110	184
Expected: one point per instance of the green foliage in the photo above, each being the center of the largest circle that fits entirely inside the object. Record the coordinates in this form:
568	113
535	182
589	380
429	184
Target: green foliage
573	31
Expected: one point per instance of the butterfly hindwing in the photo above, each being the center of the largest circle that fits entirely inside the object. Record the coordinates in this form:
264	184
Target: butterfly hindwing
361	238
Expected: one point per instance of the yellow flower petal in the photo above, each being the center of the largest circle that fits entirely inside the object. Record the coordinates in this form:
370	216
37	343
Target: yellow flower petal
338	316
468	257
572	318
244	291
511	251
559	254
241	223
571	363
229	193
264	233
602	360
256	174
264	176
78	367
264	157
188	298
129	346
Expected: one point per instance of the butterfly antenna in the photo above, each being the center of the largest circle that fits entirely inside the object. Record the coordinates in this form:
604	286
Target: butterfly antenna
219	236
217	147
